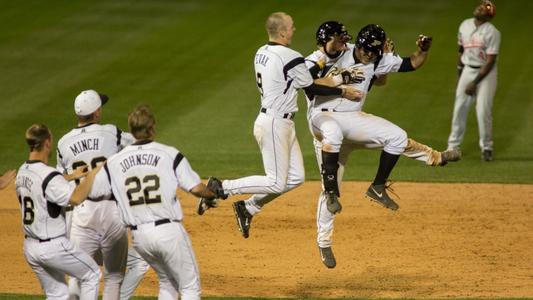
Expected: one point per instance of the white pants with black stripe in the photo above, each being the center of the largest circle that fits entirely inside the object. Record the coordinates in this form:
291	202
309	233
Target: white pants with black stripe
168	250
54	259
282	161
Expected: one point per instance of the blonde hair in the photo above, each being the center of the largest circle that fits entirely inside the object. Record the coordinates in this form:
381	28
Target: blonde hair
141	122
275	23
36	135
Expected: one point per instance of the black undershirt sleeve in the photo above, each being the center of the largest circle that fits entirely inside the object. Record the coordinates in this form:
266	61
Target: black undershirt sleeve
322	90
406	65
314	70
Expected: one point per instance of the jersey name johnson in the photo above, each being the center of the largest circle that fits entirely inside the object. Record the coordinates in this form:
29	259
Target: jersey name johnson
138	160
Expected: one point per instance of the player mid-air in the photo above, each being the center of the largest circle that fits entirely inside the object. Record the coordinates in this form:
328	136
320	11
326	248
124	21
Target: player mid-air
279	72
339	126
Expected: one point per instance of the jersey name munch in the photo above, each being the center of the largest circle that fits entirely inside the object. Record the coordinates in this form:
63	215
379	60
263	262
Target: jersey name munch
84	145
139	159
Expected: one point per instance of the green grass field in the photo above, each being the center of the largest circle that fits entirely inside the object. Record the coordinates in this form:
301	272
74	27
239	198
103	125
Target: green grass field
191	61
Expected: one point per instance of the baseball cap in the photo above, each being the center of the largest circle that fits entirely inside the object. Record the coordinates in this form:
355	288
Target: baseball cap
88	102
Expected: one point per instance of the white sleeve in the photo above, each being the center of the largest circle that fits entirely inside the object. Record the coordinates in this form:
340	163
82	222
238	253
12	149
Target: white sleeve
493	42
59	166
389	63
126	139
57	189
299	73
187	177
101	186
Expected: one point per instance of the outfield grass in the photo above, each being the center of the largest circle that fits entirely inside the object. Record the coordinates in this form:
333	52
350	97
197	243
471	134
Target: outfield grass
192	62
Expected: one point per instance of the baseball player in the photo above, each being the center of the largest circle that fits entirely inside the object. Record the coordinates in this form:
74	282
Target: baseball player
340	126
96	225
479	43
42	193
280	72
143	177
6	178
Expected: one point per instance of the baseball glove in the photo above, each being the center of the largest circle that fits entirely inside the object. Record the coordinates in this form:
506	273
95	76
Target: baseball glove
346	76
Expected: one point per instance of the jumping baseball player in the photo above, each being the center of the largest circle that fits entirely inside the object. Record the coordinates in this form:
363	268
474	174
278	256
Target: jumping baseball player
479	43
143	177
340	126
280	72
6	178
42	193
96	225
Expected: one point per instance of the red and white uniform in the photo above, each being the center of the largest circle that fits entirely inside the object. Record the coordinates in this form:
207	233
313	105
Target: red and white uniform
478	42
43	193
143	177
280	72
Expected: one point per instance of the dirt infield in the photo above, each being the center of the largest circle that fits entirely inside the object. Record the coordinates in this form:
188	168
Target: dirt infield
447	240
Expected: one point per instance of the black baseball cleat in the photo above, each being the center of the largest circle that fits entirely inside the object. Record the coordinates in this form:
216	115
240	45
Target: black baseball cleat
332	202
486	155
378	193
244	218
327	257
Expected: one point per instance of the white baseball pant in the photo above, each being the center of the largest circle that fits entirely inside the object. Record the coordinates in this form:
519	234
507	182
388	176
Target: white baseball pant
136	268
53	259
484	99
169	252
282	161
347	131
96	227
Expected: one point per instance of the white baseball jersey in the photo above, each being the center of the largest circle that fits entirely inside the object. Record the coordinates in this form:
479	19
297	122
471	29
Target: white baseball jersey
42	191
478	42
280	71
389	63
143	178
89	145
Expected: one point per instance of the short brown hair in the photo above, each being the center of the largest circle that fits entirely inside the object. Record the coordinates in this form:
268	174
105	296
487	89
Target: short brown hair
141	122
275	23
87	118
36	135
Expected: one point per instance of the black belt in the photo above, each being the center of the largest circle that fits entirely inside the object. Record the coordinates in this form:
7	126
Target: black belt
328	109
474	67
41	241
289	116
156	223
101	198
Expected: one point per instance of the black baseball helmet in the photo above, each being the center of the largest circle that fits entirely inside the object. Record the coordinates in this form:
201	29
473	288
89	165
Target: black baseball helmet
371	38
329	29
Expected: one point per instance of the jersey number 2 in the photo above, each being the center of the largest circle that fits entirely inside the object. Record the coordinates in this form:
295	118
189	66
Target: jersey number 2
134	185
